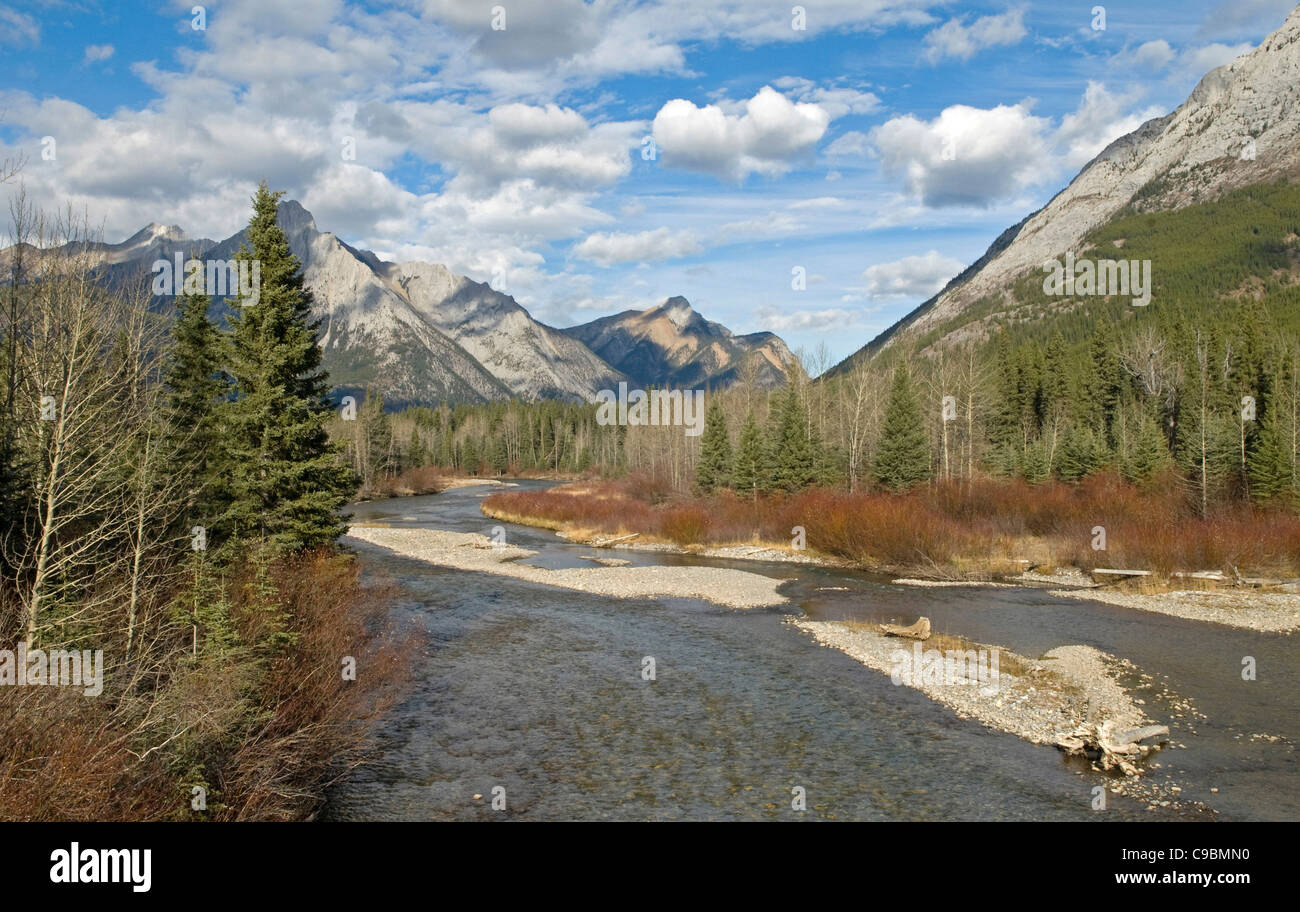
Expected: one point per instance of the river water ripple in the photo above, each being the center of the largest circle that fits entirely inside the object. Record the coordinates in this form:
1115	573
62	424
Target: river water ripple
539	691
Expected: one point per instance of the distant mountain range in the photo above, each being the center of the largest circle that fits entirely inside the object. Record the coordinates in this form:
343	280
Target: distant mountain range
1239	127
673	346
419	333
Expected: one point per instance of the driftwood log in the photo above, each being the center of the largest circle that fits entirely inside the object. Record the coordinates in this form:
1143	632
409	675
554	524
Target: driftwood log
1110	749
918	631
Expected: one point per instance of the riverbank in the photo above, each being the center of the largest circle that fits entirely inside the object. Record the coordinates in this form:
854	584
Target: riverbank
1071	697
1246	609
418	483
1072	692
477	553
603	515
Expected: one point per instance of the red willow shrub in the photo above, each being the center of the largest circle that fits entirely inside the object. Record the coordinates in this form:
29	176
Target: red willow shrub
1145	528
265	736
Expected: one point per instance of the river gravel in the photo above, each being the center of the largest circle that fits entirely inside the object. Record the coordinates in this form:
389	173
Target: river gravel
1267	612
1069	686
475	552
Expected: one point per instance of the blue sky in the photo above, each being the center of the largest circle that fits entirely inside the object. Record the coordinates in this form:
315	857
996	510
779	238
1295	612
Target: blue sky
590	157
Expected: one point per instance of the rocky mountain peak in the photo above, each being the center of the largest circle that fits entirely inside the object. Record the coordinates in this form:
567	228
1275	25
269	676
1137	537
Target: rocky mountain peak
1239	126
678	310
154	232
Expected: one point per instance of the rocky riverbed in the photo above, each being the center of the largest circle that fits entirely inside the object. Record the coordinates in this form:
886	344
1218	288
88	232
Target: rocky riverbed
475	552
1248	609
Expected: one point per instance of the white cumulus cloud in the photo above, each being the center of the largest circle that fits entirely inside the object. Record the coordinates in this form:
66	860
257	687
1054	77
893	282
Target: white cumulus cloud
1153	55
767	138
1101	118
1200	60
912	276
640	247
966	156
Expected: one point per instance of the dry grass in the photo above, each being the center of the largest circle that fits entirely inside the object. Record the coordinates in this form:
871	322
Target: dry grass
951	642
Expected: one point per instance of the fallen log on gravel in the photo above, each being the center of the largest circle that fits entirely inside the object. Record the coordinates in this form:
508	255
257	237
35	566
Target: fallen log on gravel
1108	749
918	631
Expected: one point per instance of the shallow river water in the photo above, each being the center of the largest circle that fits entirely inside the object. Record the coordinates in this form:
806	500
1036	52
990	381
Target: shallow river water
539	691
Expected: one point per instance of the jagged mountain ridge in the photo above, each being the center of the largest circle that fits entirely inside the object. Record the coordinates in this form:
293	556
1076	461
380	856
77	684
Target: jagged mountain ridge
371	336
419	333
672	345
1239	126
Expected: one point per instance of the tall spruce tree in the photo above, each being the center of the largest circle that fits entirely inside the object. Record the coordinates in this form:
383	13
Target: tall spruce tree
1146	453
793	463
1105	380
903	454
417	454
196	388
1268	468
749	474
287	482
1082	453
714	468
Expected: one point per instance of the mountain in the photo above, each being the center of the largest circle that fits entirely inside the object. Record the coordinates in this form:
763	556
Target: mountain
419	333
531	359
1239	127
370	333
672	345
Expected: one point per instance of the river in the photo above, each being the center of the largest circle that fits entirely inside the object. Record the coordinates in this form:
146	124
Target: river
539	692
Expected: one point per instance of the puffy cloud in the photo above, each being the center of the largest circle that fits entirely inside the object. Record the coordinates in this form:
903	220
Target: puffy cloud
1101	118
768	138
523	34
645	246
837	101
954	39
912	276
96	53
1153	55
576	41
966	156
1207	57
976	157
526	125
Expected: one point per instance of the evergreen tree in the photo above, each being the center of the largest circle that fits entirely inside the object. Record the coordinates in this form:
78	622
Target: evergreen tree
500	459
1267	465
1105	382
714	468
447	451
1082	453
196	388
469	456
750	471
903	455
1146	454
1034	464
203	606
287	482
417	454
376	429
793	465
